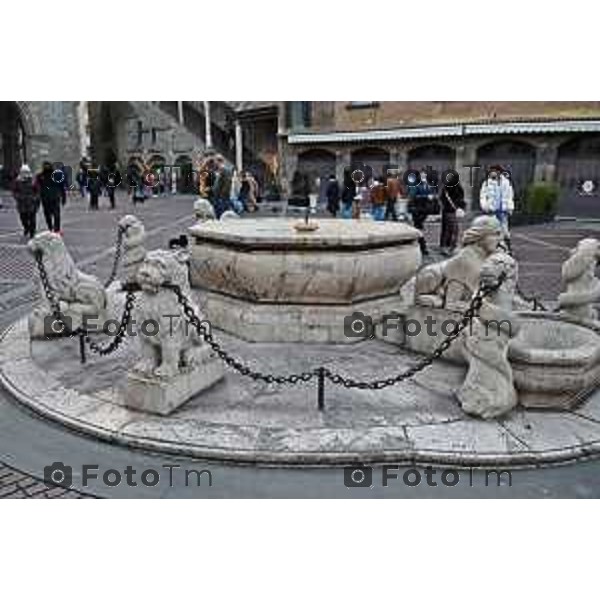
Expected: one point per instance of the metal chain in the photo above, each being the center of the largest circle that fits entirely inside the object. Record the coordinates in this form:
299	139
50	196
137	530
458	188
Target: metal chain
225	356
335	378
120	335
466	318
117	260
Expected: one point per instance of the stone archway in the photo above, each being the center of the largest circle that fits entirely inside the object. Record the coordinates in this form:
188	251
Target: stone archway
376	158
515	156
578	161
317	164
437	156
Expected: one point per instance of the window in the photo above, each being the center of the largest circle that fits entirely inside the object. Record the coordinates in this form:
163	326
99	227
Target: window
363	104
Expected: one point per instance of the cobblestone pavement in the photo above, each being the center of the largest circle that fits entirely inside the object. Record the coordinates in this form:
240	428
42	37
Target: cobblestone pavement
90	238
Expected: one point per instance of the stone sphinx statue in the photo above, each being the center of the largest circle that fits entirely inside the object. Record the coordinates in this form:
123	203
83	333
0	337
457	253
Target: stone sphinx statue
78	294
582	287
455	279
488	390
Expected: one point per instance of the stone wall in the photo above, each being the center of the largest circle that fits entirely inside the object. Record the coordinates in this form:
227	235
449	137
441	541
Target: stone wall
348	116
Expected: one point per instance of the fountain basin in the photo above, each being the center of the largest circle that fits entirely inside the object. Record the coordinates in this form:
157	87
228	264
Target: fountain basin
555	363
263	280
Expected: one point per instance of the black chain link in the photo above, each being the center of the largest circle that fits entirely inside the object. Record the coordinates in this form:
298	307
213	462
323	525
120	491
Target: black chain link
466	318
231	361
117	259
114	344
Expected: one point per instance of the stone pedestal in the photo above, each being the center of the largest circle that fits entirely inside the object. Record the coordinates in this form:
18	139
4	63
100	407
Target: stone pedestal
165	395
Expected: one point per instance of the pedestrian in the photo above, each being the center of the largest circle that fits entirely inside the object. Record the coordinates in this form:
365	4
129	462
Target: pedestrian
300	191
394	191
94	187
496	198
378	197
222	187
27	200
452	200
348	195
332	194
49	193
113	180
421	205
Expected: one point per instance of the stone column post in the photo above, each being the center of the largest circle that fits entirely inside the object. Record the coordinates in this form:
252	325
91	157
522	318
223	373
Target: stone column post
342	160
239	147
180	112
208	138
467	168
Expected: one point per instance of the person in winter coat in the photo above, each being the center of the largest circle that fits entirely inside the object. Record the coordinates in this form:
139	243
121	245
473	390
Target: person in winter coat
27	200
332	193
348	195
94	186
497	198
378	198
50	195
422	197
452	199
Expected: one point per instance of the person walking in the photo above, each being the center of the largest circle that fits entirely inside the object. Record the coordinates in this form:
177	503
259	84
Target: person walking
348	195
221	188
94	188
49	193
496	197
378	197
332	194
393	193
420	206
27	200
452	200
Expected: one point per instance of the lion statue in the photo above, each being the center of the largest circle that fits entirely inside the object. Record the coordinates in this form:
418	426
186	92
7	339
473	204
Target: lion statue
78	294
582	287
134	251
165	349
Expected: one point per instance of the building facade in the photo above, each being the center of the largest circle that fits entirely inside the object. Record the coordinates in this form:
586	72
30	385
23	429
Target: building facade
536	141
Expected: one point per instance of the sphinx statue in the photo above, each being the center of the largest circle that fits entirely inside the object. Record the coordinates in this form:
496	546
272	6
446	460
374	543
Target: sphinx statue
582	287
488	390
454	280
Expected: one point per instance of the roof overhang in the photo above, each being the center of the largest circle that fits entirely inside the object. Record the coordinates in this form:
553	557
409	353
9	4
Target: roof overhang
446	131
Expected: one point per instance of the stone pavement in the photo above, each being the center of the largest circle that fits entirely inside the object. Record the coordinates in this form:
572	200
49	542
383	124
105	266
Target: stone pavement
90	237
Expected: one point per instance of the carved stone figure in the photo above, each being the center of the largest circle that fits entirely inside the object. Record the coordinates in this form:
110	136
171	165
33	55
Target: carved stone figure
166	351
78	294
488	390
455	280
134	252
175	363
203	210
582	287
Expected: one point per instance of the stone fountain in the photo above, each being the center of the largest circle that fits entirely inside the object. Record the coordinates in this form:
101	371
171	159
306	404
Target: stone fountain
277	300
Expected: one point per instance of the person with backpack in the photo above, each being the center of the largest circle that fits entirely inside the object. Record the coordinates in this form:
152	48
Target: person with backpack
422	203
27	200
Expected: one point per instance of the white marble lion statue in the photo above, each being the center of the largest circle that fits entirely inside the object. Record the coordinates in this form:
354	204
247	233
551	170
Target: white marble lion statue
166	339
77	293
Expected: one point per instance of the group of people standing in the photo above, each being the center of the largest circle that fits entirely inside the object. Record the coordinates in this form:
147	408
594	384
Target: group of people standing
227	190
45	189
391	200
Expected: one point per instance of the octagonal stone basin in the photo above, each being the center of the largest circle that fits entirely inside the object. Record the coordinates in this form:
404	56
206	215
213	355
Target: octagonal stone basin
265	281
555	363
